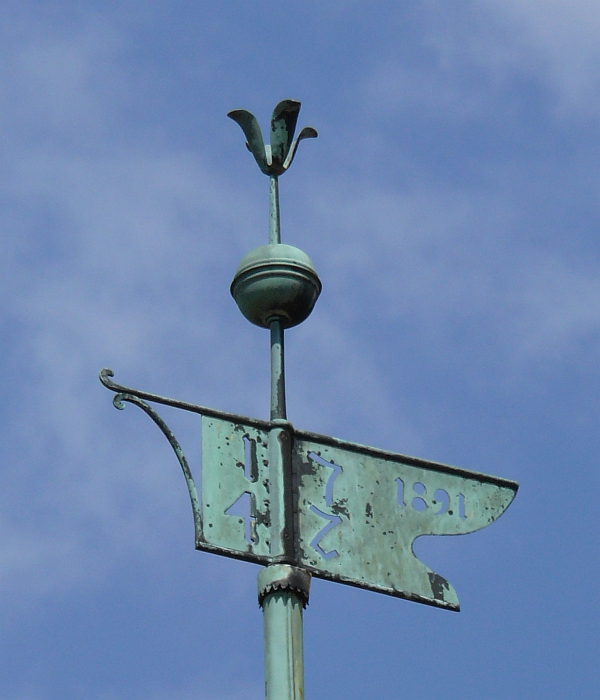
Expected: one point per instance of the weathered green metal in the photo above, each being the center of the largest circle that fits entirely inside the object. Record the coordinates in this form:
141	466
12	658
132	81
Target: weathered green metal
357	510
107	374
119	401
276	281
278	405
360	510
274	158
235	462
276	287
283	593
139	398
274	212
279	597
283	577
339	510
306	504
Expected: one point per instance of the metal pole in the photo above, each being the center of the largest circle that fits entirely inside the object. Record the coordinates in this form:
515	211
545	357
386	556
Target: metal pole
283	594
274	217
284	660
278	408
282	589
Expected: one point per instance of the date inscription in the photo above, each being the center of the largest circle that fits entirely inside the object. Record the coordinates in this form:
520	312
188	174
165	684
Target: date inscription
416	496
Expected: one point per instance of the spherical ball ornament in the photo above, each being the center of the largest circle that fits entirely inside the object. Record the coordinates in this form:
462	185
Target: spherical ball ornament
276	281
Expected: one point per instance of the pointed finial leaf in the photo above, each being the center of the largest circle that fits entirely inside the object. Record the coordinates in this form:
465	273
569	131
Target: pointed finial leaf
275	157
307	133
254	137
283	126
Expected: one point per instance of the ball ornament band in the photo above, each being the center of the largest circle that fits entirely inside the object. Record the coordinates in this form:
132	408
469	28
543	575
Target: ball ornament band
276	281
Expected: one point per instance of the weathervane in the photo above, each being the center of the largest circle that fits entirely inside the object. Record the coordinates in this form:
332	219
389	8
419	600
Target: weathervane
303	504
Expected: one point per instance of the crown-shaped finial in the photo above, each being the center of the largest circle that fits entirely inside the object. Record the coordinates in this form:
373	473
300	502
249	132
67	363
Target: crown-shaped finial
274	158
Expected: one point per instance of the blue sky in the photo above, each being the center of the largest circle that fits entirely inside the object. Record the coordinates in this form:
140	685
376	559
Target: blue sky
451	208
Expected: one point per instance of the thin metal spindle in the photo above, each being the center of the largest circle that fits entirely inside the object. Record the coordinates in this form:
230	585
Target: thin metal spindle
278	408
274	216
282	607
284	645
279	275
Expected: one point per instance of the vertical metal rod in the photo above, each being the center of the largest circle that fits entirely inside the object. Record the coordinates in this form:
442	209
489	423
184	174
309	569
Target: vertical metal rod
284	645
281	597
274	218
278	409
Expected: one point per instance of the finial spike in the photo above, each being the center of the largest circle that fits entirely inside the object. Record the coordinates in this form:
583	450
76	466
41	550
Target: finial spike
276	157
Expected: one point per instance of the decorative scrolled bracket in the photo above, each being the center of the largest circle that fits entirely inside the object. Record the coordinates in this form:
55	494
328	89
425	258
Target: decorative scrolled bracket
204	539
118	402
126	395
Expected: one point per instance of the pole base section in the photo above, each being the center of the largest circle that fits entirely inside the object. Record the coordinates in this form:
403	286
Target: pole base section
283	577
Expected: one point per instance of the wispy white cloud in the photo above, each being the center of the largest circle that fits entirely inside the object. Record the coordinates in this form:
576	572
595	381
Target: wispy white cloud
566	39
108	257
453	257
470	54
133	274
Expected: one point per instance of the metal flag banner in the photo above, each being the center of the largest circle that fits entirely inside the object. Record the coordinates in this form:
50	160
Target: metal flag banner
303	504
356	510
